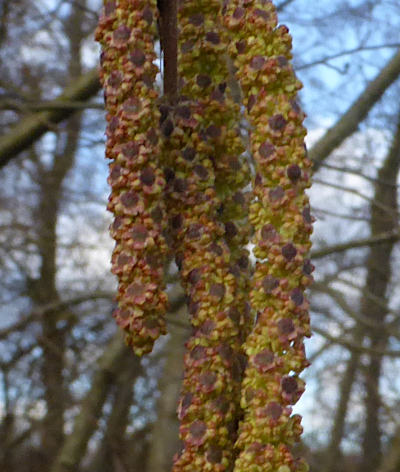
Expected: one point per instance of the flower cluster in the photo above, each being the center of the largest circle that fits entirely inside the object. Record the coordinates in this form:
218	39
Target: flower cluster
207	213
280	215
179	176
126	32
212	362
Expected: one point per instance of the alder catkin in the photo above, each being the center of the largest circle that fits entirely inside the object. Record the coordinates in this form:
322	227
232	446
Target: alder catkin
206	171
179	172
280	215
127	32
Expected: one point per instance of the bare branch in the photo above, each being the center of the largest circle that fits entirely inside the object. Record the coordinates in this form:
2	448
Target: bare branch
348	52
353	346
31	128
50	105
390	236
349	122
53	307
283	5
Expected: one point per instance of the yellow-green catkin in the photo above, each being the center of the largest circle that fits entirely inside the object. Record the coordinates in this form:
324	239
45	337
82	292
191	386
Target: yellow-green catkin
127	32
280	215
202	142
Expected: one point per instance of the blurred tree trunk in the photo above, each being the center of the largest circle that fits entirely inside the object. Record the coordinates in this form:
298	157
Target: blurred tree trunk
378	276
110	456
74	447
384	216
391	460
45	290
7	434
165	433
4	11
333	454
53	335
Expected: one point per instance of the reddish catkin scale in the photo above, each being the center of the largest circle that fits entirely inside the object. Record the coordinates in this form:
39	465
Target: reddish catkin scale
280	215
126	32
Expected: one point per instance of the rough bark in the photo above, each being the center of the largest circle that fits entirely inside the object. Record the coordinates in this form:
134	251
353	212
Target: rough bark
75	444
357	112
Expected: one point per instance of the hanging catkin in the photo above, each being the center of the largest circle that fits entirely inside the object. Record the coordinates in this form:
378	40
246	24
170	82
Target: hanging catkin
280	215
127	32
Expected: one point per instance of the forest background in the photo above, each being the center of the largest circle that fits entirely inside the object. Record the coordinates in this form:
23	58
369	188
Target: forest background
72	397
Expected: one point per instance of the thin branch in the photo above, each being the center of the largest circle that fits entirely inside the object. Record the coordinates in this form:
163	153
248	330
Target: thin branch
354	347
347	53
85	424
382	303
348	170
340	299
322	211
283	5
378	204
390	236
54	307
175	303
50	105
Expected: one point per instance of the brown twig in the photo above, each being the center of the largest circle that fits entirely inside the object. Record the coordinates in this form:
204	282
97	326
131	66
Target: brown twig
169	45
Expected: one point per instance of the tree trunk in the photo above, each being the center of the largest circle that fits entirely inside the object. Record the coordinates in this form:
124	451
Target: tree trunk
384	216
391	460
53	337
110	456
333	454
75	444
165	439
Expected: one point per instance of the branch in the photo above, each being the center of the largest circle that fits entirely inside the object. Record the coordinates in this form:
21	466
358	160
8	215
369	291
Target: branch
175	302
340	299
49	105
31	128
390	236
169	44
346	53
54	307
283	5
349	122
353	346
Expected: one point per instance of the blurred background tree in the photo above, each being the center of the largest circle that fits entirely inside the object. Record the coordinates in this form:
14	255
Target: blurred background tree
72	397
